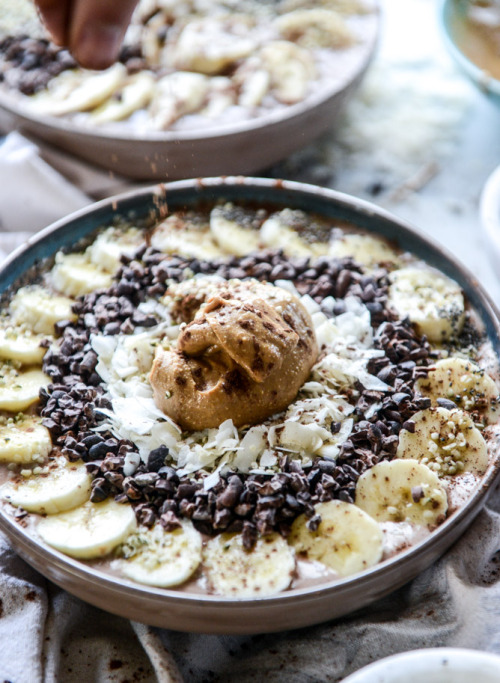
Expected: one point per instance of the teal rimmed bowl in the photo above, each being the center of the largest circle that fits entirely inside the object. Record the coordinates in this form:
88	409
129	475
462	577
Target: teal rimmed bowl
298	607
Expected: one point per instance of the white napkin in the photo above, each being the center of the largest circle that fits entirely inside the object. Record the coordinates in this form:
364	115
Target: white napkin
32	193
40	184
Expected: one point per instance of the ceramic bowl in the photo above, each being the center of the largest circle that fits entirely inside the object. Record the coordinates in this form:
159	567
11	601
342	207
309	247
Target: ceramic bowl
451	13
240	148
294	608
434	665
489	208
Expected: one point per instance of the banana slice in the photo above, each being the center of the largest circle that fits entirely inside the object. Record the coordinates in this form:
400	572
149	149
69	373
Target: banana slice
228	229
21	345
221	95
291	69
107	249
347	539
315	28
75	275
64	487
134	95
74	91
446	441
254	84
24	441
279	231
176	95
59	89
465	383
206	47
172	237
39	309
236	572
161	558
364	249
151	33
89	531
402	491
433	302
19	390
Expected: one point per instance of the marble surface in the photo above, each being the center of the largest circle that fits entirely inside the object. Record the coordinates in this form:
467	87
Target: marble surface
418	139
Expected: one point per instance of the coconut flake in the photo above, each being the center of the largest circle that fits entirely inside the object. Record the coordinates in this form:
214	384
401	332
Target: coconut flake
268	459
305	427
341	372
309	304
299	438
250	447
132	461
288	286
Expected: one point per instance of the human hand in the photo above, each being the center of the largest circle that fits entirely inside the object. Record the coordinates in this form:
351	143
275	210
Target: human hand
93	30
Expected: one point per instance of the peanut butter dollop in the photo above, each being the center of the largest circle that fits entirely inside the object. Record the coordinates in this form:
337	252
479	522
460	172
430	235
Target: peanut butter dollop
244	355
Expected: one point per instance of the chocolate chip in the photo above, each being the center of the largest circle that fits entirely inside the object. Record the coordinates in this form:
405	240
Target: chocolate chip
98	450
170	521
157	458
230	496
186	491
446	403
99	491
146	516
92	440
417	493
145	479
313	523
249	535
222	518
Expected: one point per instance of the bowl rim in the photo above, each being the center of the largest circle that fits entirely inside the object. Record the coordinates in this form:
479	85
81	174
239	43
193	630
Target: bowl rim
432	656
314	100
481	78
281	191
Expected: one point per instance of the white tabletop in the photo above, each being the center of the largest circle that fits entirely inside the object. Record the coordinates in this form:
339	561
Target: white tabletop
416	121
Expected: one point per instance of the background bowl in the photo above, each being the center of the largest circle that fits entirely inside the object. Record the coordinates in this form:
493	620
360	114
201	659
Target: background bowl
451	13
243	147
434	665
489	208
294	608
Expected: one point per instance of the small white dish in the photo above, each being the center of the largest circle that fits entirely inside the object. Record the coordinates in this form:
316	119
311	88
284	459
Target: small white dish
489	209
432	665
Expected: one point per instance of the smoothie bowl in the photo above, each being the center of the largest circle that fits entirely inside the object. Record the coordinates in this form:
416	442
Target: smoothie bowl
241	405
200	88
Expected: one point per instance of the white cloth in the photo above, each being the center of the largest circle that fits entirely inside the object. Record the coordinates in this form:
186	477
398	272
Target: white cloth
40	184
32	193
48	636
